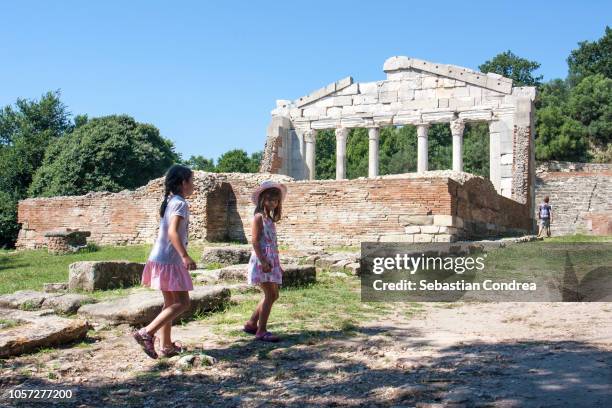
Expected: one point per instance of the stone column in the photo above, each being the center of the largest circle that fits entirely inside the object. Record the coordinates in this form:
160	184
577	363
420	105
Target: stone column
341	136
310	137
457	127
422	145
373	136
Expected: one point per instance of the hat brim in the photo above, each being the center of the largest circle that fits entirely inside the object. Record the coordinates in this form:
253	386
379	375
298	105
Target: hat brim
281	187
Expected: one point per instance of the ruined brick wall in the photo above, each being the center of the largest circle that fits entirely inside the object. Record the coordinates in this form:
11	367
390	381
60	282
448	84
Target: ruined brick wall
409	208
439	206
579	194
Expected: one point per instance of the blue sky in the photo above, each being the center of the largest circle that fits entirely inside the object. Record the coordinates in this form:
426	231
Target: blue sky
207	74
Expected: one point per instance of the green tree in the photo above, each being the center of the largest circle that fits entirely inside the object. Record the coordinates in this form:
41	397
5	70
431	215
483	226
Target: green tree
200	163
476	149
234	161
509	65
591	58
440	147
325	163
590	103
255	161
110	153
357	146
25	132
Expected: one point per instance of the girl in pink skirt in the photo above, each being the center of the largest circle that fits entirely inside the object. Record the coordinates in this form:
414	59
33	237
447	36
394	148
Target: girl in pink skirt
167	268
264	265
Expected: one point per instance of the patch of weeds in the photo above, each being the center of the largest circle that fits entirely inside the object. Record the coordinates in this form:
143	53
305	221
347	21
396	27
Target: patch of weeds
51	375
348	326
89	248
213	265
25	372
147	375
28	305
7	323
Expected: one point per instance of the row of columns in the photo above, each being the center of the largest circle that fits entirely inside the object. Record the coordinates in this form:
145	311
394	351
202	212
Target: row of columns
457	128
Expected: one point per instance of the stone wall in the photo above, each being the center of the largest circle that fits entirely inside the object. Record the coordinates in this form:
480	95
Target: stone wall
435	206
579	194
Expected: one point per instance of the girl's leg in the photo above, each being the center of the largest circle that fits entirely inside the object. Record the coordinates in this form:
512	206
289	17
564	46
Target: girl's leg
164	331
255	316
180	304
270	295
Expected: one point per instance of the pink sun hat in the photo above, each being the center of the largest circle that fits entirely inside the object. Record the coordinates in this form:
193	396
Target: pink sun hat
266	185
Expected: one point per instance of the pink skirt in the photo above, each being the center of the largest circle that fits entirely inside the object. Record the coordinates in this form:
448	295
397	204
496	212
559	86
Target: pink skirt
168	277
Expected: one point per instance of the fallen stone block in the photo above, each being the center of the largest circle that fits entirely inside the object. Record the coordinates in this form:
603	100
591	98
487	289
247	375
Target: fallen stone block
141	308
102	275
24	299
294	275
327	261
55	287
68	303
38	329
226	255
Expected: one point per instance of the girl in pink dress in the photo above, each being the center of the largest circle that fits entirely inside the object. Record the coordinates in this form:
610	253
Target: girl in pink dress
264	265
167	268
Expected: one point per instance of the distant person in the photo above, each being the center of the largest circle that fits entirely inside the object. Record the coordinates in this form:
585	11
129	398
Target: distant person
167	268
264	267
545	217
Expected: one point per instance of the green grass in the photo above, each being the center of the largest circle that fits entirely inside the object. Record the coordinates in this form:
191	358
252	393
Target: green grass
579	238
330	305
30	269
7	323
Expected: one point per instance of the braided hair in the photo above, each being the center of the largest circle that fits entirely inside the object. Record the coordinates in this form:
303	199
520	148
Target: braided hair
173	183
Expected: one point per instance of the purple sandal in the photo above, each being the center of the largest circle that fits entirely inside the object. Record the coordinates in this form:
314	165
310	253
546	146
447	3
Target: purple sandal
268	337
146	341
249	329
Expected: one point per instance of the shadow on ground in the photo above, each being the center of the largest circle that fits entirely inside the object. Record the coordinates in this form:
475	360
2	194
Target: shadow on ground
351	368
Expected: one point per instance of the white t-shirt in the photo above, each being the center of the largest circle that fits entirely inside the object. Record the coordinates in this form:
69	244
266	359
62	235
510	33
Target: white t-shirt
163	251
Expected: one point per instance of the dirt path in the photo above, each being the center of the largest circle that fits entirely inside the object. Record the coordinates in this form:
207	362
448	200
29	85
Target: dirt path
498	354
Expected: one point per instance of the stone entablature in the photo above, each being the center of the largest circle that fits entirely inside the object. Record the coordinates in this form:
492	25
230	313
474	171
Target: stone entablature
419	93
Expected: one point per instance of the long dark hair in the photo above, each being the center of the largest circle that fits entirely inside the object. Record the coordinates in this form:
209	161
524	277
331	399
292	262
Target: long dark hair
271	193
173	183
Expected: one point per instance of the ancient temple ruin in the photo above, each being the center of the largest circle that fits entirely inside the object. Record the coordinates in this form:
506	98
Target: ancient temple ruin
426	206
419	93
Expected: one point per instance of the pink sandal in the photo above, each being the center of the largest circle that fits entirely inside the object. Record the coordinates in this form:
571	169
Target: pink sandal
268	337
146	341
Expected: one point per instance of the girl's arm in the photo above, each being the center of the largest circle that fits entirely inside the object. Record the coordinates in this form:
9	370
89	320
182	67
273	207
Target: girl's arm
173	235
256	233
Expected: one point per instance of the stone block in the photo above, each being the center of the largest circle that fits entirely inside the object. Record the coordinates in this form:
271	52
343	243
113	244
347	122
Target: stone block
387	97
405	95
368	88
412	229
430	229
443	103
226	255
364	99
443	220
350	90
35	330
406	220
342	100
430	82
102	275
506	158
396	238
141	308
24	299
68	303
419	238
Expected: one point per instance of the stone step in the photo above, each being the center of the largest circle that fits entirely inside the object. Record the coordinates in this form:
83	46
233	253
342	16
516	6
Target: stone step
34	330
102	275
141	308
67	303
294	275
